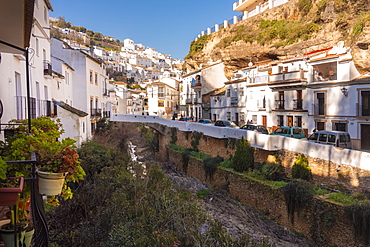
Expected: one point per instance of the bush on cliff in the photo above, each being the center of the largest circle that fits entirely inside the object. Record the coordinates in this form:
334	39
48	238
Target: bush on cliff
243	159
300	169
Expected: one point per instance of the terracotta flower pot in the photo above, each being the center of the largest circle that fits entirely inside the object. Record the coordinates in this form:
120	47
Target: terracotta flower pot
9	195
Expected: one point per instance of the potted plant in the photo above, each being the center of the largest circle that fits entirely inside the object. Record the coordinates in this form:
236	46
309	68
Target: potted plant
14	227
10	188
52	155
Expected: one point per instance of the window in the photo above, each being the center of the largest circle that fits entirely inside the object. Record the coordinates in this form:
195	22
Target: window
66	77
160	92
340	126
228	116
280	101
46	15
365	103
298	121
37	47
320	125
241	93
91	76
228	92
322	137
280	120
320	104
96	78
331	138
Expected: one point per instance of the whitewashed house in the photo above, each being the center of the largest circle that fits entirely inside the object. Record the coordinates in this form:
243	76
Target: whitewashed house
199	83
25	30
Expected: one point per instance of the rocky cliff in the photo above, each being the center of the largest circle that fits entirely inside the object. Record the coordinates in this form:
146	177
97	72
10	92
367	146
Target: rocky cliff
289	30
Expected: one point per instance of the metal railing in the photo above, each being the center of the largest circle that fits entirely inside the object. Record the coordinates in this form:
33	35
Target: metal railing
47	68
95	112
319	109
298	104
280	104
41	235
361	110
21	104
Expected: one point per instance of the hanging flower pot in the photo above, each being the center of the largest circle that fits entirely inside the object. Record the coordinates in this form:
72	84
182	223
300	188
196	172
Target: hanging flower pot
50	184
10	189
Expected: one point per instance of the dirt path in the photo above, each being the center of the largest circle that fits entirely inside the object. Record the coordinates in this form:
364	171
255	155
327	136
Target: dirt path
239	219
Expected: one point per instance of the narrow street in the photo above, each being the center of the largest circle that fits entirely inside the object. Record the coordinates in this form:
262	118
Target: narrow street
239	219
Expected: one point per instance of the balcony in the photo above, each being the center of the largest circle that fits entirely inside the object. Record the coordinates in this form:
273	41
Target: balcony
95	112
298	104
288	77
106	114
319	109
279	104
47	68
242	5
197	85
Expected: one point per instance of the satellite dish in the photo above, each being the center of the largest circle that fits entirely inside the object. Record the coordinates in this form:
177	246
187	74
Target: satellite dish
250	64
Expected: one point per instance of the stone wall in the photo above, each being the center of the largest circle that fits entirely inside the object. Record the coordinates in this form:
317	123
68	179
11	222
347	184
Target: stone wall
336	176
324	223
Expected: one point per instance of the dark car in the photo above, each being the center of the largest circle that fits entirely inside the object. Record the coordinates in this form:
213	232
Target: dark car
256	128
205	121
184	119
225	123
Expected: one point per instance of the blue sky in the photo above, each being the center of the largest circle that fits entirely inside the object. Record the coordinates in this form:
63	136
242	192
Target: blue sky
167	26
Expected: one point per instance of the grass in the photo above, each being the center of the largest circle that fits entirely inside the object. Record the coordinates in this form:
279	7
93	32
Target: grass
341	198
202	193
288	32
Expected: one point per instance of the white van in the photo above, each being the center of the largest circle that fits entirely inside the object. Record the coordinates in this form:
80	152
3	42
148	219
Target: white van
336	138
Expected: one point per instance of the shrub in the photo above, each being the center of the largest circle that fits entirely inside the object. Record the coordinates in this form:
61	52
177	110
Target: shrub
300	169
273	171
151	139
298	195
210	166
359	213
243	159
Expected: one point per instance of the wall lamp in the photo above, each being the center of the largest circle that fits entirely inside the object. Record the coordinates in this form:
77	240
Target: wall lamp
344	91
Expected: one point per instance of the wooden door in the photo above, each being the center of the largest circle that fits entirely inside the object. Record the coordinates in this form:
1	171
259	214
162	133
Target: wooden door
290	120
365	136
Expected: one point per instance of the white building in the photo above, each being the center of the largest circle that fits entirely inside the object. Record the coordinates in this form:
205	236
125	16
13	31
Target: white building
89	82
21	32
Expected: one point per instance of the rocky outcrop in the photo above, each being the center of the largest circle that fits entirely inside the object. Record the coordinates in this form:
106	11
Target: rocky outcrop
331	22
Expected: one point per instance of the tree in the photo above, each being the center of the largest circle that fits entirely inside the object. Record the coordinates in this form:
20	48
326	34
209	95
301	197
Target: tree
62	22
79	29
98	36
243	159
90	33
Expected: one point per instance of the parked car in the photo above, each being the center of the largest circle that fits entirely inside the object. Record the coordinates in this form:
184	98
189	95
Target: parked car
256	128
205	121
184	119
225	123
295	132
335	138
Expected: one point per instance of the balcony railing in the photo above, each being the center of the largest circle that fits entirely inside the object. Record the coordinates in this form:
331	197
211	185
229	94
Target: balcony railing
298	104
96	112
47	68
279	104
291	76
21	103
362	110
319	109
